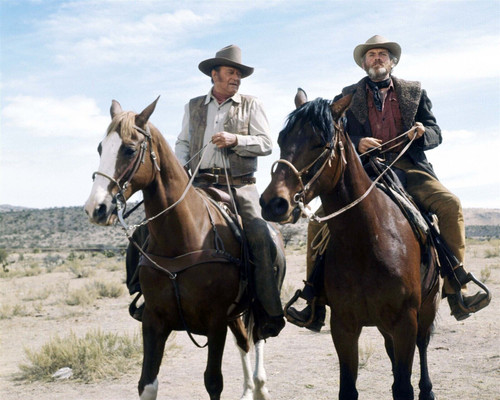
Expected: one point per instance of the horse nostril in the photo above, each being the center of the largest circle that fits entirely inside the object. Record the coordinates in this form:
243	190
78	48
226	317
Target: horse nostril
100	211
279	206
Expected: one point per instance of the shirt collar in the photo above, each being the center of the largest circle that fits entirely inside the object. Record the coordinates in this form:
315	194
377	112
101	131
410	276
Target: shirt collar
236	98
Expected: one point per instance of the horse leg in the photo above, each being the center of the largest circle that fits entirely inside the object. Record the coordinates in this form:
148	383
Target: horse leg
154	338
248	385
389	347
425	384
241	339
260	377
346	344
404	334
425	326
213	374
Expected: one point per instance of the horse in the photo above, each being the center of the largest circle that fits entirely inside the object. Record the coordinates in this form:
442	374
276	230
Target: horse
372	272
190	273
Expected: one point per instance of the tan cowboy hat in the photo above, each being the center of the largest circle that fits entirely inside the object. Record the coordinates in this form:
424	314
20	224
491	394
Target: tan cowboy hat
375	42
229	56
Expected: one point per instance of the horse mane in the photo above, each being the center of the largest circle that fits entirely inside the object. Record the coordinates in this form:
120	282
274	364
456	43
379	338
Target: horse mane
317	113
127	121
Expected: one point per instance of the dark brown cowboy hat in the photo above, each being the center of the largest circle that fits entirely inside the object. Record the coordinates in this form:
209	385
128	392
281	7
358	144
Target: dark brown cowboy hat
229	56
375	42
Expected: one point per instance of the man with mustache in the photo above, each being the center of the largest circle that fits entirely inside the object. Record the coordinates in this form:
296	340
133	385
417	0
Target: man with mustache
382	108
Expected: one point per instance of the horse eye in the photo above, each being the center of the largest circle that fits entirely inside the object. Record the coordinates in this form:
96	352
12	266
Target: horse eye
99	148
129	151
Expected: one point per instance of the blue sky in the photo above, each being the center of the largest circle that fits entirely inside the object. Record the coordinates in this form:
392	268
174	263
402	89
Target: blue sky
62	62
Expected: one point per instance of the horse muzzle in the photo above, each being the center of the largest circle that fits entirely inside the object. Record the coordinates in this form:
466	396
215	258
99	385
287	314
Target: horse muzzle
101	212
278	209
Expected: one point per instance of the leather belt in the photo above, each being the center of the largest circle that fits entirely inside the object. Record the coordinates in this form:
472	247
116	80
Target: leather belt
217	176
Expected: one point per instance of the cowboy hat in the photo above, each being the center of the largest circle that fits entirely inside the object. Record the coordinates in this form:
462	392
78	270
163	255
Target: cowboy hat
376	42
229	56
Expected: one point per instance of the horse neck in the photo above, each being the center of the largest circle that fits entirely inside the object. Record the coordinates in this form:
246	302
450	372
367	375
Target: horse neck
352	185
176	231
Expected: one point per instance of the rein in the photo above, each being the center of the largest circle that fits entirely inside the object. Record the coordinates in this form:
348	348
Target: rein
300	196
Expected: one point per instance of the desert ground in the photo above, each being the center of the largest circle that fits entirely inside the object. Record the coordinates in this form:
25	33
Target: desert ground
464	357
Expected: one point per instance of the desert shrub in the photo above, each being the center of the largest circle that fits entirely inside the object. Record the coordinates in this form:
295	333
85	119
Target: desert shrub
78	269
9	311
80	297
106	289
94	357
485	274
3	256
52	260
492	253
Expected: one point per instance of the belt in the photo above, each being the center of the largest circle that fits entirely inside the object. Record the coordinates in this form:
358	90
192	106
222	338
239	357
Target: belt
217	176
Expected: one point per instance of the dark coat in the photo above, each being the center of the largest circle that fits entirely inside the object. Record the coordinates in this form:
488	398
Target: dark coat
414	105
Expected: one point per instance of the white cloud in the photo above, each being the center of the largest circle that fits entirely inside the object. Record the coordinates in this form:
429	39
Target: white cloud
74	116
469	60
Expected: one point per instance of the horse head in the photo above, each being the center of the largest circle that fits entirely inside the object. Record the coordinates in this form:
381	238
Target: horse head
124	163
311	157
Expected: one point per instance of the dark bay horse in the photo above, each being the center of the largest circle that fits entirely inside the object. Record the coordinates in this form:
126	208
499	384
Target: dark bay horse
193	277
372	271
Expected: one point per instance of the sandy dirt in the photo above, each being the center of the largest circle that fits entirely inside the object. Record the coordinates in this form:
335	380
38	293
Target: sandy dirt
464	357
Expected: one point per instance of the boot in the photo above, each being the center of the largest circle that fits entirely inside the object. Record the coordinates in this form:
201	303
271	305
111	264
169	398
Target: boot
471	304
305	317
462	306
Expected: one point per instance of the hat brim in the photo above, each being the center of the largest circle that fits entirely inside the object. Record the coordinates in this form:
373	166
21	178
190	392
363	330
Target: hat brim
361	50
207	66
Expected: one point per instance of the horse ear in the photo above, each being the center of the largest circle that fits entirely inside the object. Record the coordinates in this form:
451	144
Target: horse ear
115	108
142	118
340	106
300	97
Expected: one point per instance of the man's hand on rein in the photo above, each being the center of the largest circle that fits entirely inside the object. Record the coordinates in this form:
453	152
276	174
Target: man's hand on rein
224	139
418	132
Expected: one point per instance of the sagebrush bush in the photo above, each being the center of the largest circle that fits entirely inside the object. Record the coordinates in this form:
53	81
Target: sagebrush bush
94	357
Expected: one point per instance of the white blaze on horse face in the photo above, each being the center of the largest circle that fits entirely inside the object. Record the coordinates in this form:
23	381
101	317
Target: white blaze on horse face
100	194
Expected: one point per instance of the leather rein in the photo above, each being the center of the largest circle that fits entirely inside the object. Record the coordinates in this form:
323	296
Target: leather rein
329	152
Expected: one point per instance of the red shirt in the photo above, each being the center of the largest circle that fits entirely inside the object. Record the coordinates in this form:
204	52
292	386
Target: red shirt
385	124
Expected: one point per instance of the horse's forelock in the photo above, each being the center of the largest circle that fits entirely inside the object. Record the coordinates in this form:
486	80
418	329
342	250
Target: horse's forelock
127	121
317	113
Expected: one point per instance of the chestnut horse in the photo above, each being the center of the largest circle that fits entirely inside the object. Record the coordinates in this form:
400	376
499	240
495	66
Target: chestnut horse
372	273
190	276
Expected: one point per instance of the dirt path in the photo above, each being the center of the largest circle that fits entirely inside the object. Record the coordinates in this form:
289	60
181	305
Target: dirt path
464	357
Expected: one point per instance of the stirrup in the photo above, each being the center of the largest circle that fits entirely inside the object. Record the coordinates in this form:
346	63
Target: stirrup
133	309
296	321
480	305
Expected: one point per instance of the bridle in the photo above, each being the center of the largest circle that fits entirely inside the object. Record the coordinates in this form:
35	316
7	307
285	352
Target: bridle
133	166
334	150
300	196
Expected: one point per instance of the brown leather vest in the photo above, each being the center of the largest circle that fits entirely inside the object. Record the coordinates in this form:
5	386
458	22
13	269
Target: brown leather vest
237	121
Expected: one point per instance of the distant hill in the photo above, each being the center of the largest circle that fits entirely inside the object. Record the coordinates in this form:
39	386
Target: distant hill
68	227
